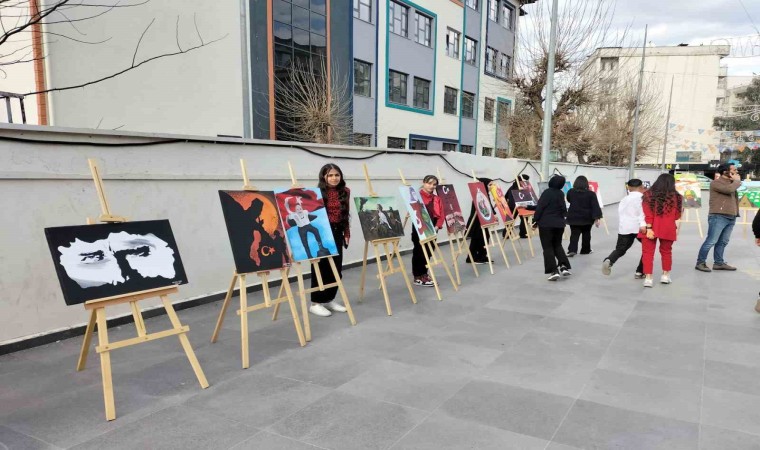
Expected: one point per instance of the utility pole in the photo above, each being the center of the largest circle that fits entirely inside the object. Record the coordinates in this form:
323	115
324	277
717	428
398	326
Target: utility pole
667	125
546	141
632	168
246	66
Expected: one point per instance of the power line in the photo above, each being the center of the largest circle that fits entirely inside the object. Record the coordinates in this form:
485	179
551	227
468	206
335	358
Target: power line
749	17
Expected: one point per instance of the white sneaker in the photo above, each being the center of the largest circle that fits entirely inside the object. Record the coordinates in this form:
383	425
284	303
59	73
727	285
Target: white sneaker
648	282
319	310
334	307
606	267
665	279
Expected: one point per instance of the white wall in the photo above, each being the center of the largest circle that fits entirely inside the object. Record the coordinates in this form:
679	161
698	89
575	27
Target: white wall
199	92
49	184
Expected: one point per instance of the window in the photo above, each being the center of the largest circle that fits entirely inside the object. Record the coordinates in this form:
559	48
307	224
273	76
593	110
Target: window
362	139
470	51
488	110
502	112
468	104
398	18
467	149
394	142
609	64
505	66
493	10
363	10
491	60
397	87
473	4
487	151
502	153
507	15
450	101
418	144
362	78
421	93
449	147
452	43
423	29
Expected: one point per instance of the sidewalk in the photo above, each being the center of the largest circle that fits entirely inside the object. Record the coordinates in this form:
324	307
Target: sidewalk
511	361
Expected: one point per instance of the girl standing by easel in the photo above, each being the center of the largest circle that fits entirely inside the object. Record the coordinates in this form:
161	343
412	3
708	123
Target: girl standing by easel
336	197
434	208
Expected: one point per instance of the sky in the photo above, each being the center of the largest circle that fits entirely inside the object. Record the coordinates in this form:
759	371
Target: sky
694	22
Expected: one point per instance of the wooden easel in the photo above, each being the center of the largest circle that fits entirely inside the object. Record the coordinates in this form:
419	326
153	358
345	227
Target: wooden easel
240	279
745	207
98	318
495	240
433	254
458	246
388	248
321	286
686	218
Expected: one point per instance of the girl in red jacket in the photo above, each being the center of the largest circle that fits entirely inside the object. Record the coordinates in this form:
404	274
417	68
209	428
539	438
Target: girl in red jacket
434	207
662	208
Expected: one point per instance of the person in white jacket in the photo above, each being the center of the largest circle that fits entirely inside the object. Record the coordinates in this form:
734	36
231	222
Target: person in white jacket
631	222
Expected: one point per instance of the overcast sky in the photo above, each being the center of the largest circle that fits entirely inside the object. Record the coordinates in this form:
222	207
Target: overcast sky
694	22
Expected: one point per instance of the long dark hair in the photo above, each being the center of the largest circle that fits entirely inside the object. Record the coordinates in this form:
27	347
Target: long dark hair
341	188
580	183
662	197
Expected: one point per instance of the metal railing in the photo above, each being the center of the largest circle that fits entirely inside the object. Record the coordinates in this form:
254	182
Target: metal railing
8	96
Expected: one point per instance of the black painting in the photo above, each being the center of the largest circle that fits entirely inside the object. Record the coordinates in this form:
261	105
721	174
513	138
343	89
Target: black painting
98	261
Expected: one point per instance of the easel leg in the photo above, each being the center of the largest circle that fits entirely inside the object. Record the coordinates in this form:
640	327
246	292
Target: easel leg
293	308
445	266
512	238
488	250
185	342
469	254
381	276
138	318
342	290
454	242
699	225
225	304
364	272
604	221
500	244
429	253
244	322
279	295
304	308
397	254
86	342
105	364
528	227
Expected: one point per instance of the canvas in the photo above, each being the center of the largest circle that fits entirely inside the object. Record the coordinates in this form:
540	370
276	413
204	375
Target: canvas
106	260
593	186
256	234
418	213
452	212
378	218
688	186
499	202
523	198
307	227
750	190
482	204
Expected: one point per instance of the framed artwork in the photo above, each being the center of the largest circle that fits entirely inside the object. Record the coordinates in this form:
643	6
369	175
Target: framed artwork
256	234
688	186
306	225
452	212
523	198
483	208
593	186
749	194
378	218
106	260
417	211
499	202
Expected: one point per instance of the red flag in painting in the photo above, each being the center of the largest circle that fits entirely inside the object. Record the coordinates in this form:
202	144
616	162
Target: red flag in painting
309	199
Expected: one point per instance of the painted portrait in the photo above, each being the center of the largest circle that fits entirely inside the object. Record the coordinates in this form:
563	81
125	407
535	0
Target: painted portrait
452	212
378	218
482	204
307	227
499	202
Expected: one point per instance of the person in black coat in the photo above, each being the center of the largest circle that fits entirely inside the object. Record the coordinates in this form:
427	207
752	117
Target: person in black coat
477	244
583	213
550	220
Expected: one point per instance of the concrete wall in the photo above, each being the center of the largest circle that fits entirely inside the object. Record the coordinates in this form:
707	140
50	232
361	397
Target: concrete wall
47	184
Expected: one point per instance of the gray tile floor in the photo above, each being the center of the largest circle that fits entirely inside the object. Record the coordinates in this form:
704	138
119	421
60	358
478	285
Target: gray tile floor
511	361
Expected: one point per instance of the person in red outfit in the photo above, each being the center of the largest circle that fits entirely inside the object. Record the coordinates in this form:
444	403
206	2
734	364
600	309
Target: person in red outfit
434	208
662	206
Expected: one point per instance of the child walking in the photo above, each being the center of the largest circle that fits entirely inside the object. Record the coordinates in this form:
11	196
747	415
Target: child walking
631	223
662	206
336	196
550	220
434	208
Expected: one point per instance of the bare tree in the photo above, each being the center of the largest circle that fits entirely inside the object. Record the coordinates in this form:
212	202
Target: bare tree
21	21
314	107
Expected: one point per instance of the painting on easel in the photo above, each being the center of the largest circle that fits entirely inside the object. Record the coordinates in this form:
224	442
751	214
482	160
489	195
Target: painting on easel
499	202
255	231
417	211
593	186
378	218
452	212
523	198
307	227
687	185
483	207
106	260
